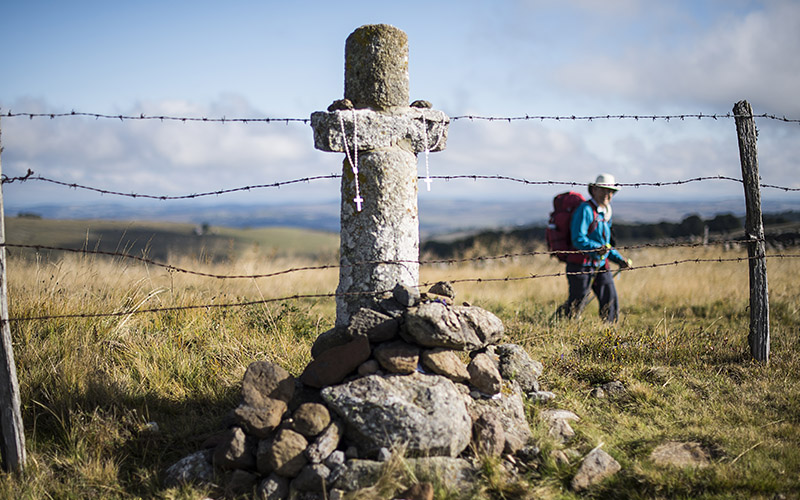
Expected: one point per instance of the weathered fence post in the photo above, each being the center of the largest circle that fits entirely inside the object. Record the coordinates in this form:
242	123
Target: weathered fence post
754	231
10	415
381	135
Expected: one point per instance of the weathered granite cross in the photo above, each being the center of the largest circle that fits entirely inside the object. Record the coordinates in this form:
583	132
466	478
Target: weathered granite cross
381	134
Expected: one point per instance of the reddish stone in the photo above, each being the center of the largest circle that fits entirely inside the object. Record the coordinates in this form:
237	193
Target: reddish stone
333	365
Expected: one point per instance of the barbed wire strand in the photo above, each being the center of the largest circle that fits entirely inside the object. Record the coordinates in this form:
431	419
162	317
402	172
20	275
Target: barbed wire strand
422	262
142	116
653	117
373	293
590	118
29	176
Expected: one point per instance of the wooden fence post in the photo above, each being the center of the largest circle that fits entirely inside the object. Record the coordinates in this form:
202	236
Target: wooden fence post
13	445
754	231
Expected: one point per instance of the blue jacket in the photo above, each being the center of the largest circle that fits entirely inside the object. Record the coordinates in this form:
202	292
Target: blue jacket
584	219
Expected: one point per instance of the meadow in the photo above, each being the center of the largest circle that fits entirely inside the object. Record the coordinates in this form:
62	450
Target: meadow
110	402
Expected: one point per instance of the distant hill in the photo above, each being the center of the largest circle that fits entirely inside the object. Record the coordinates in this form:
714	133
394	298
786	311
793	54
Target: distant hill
161	240
782	229
436	216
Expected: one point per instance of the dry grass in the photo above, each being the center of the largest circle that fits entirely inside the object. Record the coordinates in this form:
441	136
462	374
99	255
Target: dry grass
90	386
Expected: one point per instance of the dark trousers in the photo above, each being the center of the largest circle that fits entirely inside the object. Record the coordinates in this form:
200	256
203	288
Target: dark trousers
583	278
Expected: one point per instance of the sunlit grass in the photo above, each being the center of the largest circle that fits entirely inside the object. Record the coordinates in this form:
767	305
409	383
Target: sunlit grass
91	386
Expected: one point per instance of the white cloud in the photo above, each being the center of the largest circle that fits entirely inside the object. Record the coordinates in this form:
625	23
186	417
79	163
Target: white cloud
749	57
161	158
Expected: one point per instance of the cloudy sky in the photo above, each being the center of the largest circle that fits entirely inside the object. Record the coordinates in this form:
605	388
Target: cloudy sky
249	59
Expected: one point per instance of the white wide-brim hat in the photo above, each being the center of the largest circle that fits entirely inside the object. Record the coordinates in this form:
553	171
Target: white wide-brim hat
605	181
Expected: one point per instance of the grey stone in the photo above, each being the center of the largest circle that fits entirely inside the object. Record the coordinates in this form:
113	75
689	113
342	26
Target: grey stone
541	396
310	419
681	454
453	473
445	362
378	130
516	364
384	455
561	430
385	230
273	487
426	412
264	381
433	324
510	409
263	451
376	67
614	388
260	421
390	307
236	451
397	356
443	288
195	468
335	494
551	415
336	336
529	453
489	435
368	367
335	459
325	443
305	495
406	296
483	374
312	477
374	325
609	389
240	482
596	466
356	474
333	365
340	104
419	103
284	454
558	423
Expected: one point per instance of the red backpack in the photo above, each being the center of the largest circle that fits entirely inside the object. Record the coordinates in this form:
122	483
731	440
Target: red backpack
557	232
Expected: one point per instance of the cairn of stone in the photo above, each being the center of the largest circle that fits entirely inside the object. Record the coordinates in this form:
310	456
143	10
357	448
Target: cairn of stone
400	370
421	375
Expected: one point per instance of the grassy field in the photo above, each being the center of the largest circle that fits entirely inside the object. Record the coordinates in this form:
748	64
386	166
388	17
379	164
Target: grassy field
91	387
166	240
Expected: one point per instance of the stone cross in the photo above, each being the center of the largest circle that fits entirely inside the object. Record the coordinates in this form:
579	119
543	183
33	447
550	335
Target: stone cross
381	135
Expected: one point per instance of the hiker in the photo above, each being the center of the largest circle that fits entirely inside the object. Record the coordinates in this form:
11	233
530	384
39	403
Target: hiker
590	230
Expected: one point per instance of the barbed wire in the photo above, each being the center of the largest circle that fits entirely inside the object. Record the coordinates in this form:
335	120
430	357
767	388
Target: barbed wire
635	117
142	116
421	262
138	311
699	116
29	176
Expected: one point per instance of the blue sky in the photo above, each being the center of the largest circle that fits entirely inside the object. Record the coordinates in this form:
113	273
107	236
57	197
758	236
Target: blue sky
493	58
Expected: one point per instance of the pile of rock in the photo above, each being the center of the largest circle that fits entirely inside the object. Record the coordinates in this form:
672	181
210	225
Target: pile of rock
422	374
